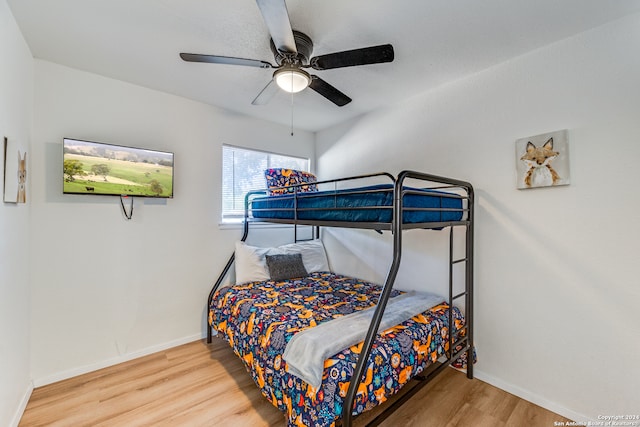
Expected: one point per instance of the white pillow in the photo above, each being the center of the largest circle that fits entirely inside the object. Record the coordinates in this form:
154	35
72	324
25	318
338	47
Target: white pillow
251	264
314	257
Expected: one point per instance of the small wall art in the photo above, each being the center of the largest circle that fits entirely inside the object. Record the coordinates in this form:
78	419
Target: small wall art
15	172
543	160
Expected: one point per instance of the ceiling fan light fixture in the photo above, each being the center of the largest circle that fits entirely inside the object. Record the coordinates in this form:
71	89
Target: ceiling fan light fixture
291	79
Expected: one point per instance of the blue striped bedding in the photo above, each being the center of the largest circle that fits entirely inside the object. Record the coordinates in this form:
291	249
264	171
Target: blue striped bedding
364	204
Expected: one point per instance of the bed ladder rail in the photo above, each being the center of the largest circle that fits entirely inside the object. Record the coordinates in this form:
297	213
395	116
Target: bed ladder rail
454	340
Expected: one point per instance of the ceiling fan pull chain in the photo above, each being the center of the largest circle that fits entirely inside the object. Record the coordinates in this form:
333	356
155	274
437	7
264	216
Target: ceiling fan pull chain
292	113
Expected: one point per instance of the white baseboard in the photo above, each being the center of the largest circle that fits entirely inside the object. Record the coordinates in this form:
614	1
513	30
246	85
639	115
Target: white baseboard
59	376
23	405
531	397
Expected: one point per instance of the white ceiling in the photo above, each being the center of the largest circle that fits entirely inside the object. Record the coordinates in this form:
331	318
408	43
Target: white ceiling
435	41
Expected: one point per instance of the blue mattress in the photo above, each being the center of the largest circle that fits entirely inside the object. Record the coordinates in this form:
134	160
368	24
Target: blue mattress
364	204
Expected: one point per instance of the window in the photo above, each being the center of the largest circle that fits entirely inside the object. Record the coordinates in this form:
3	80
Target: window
243	171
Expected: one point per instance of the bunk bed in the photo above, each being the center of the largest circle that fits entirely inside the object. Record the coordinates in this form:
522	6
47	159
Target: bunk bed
385	356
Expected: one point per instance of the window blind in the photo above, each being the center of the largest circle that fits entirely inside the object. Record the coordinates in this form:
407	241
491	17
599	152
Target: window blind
243	171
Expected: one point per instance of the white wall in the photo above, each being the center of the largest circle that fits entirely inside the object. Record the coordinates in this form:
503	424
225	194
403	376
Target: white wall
106	289
16	106
557	295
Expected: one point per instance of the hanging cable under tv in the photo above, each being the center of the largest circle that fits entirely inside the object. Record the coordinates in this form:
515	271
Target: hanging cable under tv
127	215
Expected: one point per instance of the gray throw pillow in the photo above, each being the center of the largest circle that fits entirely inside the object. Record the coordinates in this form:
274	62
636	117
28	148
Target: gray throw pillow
283	267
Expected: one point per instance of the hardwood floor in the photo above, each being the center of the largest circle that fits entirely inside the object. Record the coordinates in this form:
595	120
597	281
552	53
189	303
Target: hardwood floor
207	385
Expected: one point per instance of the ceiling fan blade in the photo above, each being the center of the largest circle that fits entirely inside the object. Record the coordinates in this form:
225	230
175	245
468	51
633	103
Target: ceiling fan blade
275	15
266	93
350	58
215	59
328	91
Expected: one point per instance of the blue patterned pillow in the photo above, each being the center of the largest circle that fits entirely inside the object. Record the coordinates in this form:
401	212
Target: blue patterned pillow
279	180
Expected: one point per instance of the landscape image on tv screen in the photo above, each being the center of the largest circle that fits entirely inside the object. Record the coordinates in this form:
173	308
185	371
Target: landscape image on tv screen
97	168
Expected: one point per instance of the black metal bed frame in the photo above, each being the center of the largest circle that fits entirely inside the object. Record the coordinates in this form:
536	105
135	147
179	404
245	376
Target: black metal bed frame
396	226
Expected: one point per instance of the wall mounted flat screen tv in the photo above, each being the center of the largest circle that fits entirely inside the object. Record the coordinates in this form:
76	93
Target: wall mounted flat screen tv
106	169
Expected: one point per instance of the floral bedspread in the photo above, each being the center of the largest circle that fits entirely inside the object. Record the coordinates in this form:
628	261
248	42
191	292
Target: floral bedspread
258	320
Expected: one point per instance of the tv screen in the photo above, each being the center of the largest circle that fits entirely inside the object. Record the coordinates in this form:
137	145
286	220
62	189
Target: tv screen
106	169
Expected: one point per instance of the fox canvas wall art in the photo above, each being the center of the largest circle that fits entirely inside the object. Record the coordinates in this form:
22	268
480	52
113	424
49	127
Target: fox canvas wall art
22	178
543	160
15	172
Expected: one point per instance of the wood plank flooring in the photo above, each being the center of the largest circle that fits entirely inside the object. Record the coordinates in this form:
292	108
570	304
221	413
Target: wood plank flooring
199	384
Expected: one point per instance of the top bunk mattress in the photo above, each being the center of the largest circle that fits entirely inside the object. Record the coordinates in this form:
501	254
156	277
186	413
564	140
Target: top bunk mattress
364	204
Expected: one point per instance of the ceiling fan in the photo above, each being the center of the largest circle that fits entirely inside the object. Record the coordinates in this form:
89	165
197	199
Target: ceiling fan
292	52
